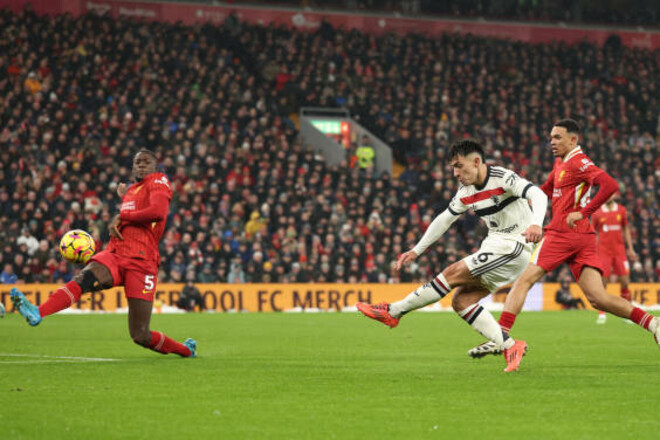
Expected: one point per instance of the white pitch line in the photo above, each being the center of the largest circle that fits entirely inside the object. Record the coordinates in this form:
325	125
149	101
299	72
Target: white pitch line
46	361
47	358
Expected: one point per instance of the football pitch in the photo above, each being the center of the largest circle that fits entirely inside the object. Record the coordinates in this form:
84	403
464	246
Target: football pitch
324	376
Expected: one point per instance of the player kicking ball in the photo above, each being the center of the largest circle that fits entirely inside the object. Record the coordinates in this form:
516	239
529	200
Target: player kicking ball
502	199
130	260
570	237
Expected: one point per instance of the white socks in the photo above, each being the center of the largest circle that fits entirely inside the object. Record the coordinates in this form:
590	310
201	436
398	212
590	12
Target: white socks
475	315
482	321
427	294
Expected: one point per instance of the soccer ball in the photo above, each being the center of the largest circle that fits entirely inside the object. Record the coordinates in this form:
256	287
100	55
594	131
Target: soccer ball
77	246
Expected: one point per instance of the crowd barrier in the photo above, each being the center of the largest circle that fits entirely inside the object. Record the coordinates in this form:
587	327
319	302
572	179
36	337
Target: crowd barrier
310	297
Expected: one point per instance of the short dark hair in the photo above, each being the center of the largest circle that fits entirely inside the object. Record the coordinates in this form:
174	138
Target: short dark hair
571	125
147	151
465	147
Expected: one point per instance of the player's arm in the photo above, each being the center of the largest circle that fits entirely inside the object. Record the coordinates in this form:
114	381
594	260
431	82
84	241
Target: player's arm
436	229
549	184
627	238
115	224
159	205
606	187
537	198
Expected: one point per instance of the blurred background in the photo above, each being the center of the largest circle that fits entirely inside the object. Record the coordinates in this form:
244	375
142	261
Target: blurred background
306	140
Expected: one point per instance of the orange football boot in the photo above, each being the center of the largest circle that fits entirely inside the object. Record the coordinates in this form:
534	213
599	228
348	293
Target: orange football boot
514	355
379	312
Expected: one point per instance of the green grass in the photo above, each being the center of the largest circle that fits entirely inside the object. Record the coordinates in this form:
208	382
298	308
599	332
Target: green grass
303	376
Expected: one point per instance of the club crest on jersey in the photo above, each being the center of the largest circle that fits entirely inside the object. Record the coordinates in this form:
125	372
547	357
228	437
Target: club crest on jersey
163	180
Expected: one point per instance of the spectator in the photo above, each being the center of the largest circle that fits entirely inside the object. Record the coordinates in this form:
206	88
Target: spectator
190	298
236	274
254	225
7	276
32	83
564	296
31	243
365	154
206	275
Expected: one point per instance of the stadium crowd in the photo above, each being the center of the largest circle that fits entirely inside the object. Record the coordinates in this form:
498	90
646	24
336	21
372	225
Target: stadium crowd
628	13
252	203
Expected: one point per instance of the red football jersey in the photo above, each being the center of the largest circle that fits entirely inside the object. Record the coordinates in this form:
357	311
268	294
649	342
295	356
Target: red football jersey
141	239
569	187
609	224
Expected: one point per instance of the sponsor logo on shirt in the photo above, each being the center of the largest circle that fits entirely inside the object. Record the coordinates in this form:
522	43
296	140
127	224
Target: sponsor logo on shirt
607	228
508	230
128	206
556	192
163	181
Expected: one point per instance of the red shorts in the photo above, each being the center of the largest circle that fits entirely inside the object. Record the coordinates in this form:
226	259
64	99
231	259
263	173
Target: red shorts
617	261
576	250
138	276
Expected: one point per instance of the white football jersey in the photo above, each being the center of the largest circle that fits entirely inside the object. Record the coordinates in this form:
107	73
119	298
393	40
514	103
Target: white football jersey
500	202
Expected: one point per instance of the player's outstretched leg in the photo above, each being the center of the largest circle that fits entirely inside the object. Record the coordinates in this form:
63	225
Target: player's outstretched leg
93	277
29	311
390	314
600	299
163	344
139	316
379	312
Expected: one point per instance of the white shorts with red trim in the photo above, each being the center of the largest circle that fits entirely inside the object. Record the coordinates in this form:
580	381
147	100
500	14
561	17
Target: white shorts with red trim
499	261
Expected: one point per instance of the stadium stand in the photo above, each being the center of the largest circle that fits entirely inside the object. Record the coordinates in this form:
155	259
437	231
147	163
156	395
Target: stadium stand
628	13
78	96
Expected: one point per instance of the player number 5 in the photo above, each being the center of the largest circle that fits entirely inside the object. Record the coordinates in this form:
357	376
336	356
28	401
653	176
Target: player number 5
148	282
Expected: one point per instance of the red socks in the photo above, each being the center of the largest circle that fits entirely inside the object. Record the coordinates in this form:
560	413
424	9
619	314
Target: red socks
69	294
61	299
625	294
161	343
506	321
641	318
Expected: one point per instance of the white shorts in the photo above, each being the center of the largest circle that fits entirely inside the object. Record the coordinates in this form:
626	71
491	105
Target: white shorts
499	262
